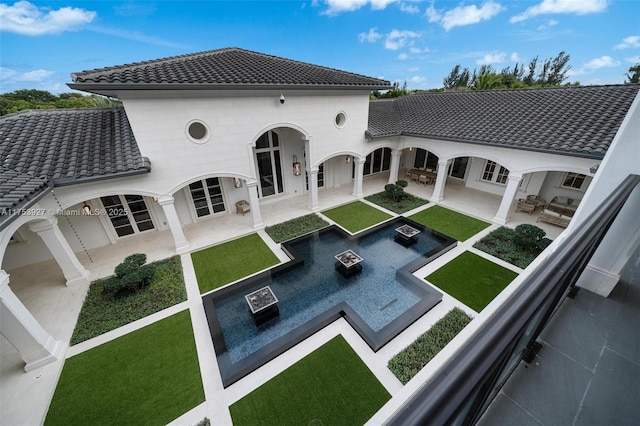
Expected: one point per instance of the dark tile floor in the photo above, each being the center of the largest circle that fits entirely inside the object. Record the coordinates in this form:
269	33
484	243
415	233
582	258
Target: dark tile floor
588	370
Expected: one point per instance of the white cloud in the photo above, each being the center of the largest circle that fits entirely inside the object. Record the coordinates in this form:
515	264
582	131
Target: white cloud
27	19
550	23
398	39
578	7
417	50
6	73
372	36
413	69
601	62
595	64
492	58
35	76
633	59
418	79
514	57
409	8
628	42
338	6
403	56
464	15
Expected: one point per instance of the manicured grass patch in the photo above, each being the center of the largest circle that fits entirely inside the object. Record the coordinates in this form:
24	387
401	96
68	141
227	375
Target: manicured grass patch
472	280
100	314
408	202
500	243
150	376
296	227
448	222
331	386
414	357
356	216
231	261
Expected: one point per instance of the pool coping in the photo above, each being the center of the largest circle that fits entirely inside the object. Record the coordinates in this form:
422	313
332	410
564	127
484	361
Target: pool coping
231	372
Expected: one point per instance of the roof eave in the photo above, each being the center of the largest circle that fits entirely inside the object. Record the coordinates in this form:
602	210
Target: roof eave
5	220
66	181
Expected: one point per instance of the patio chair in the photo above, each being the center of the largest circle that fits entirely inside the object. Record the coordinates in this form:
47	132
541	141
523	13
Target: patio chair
242	206
415	177
422	179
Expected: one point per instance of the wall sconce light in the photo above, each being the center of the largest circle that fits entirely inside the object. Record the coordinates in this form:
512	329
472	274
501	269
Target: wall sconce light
296	166
155	199
594	169
237	183
348	158
410	148
281	98
86	209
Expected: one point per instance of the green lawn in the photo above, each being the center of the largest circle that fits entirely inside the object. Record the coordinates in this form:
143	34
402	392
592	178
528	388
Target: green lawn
330	386
448	222
472	280
356	216
100	314
231	261
148	377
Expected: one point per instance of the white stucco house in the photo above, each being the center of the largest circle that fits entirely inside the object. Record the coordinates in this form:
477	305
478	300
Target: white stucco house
200	132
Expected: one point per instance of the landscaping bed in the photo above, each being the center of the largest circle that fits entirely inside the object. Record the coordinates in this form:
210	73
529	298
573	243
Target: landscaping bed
295	228
414	357
503	244
101	313
407	203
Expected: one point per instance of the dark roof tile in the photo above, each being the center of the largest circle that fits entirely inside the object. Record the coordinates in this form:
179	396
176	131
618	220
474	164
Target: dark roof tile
579	121
224	67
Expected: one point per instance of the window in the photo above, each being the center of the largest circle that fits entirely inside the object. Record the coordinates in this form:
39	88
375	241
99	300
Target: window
207	197
378	161
128	214
340	120
573	180
197	131
269	164
425	160
320	177
459	167
489	174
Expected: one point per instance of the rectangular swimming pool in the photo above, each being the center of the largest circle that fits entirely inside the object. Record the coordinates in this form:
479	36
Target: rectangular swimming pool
379	302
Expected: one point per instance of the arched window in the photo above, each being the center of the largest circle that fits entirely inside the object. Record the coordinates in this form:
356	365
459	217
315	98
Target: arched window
269	164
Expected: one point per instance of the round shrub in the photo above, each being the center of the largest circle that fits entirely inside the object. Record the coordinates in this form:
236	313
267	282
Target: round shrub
528	237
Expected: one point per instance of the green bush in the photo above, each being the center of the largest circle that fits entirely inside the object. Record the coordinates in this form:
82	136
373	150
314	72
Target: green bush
502	244
408	202
528	237
414	357
131	275
396	191
402	183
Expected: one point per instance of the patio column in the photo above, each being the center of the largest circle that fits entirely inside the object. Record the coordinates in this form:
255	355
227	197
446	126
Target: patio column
314	206
169	208
438	188
36	347
395	165
502	217
357	183
256	216
59	248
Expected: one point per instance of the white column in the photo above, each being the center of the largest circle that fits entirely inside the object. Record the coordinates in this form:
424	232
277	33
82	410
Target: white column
502	217
357	184
314	206
441	178
256	216
36	347
395	165
59	248
169	208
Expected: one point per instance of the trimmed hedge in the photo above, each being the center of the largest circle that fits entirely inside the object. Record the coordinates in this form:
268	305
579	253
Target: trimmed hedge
414	357
408	201
503	244
295	227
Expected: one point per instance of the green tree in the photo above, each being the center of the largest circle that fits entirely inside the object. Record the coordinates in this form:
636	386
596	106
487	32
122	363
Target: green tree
633	76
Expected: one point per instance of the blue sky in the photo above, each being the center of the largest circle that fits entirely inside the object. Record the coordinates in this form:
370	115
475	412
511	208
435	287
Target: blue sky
43	42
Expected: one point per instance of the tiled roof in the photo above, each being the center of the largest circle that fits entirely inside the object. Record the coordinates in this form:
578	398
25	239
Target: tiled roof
16	188
230	67
579	121
70	145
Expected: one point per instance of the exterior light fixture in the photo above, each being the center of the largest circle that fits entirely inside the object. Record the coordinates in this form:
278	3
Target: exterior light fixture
281	98
410	148
348	158
296	166
86	209
237	183
594	169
